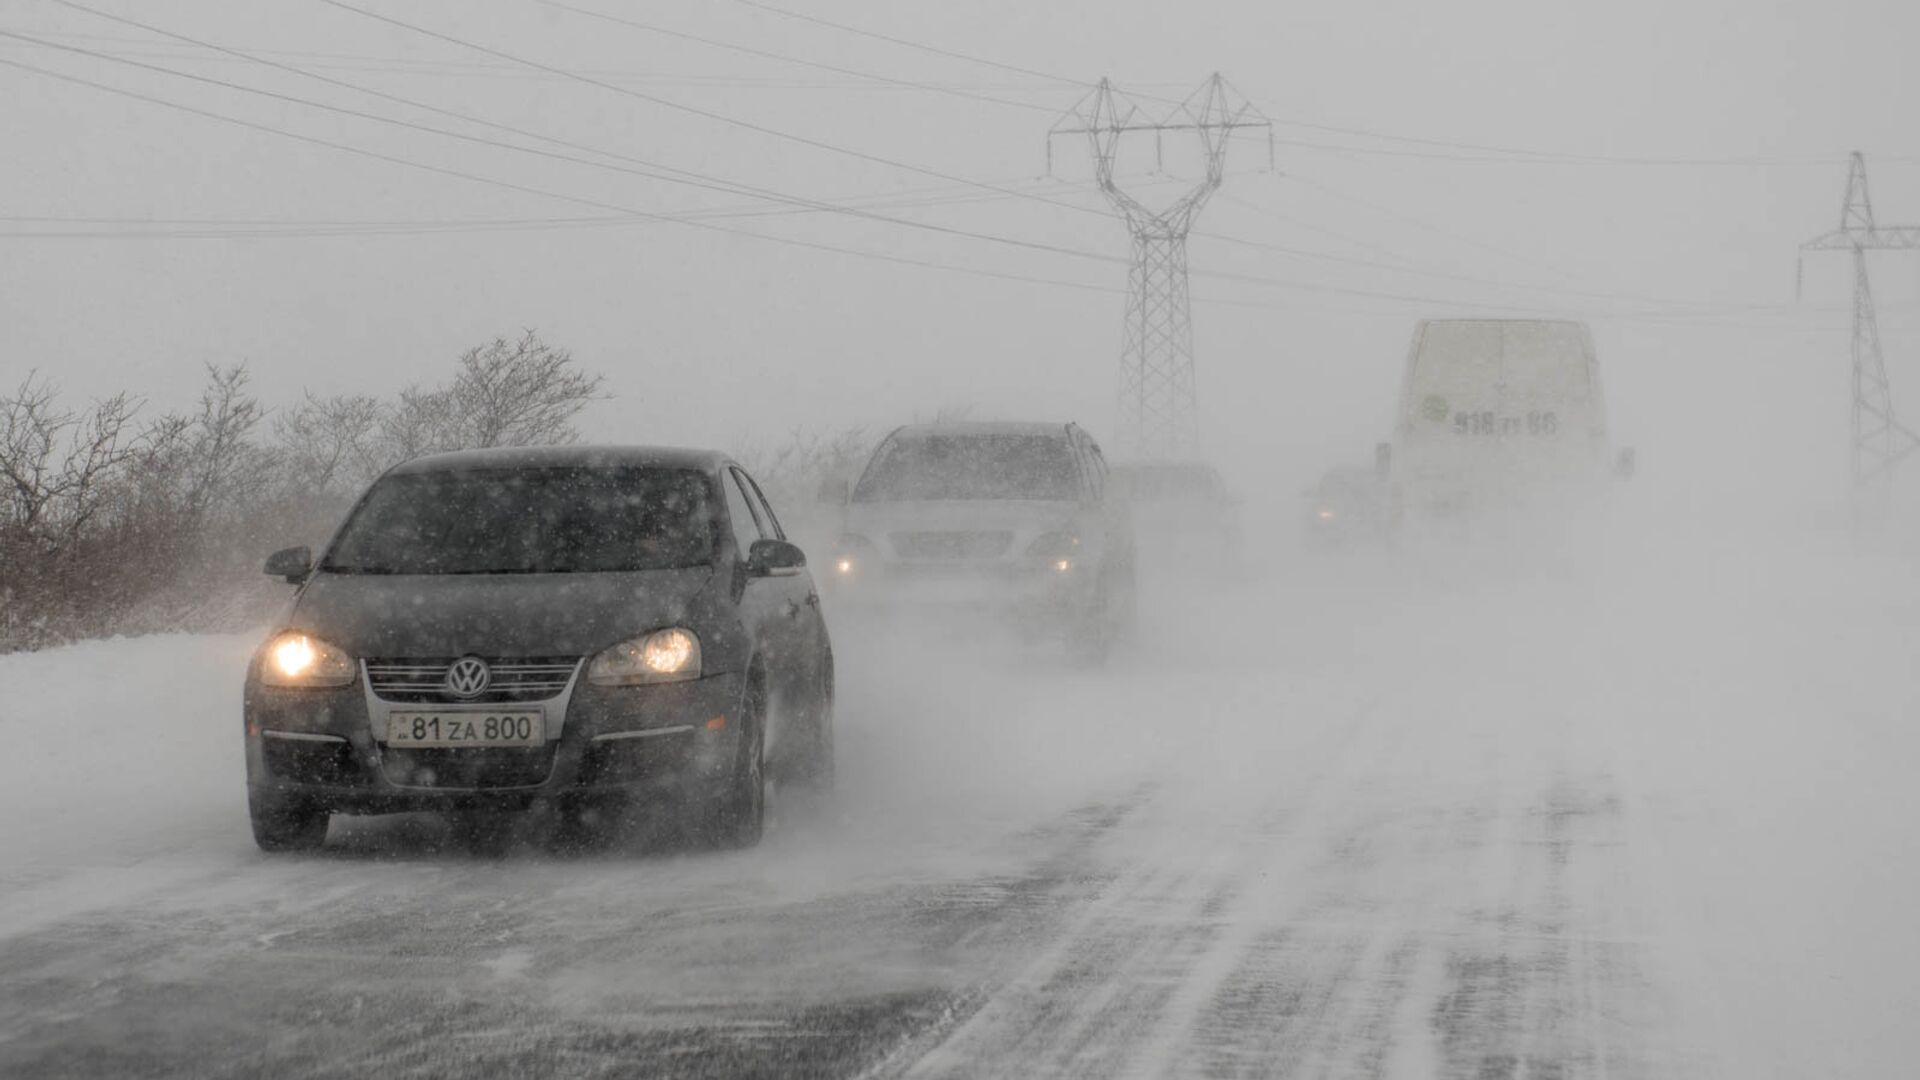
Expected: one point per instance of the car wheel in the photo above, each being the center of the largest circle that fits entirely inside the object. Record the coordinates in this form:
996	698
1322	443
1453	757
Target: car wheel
285	824
739	816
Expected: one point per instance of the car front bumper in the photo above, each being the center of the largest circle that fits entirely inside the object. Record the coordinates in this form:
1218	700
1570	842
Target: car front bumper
328	747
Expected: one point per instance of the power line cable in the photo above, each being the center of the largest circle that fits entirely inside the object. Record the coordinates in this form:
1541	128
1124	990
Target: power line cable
921	46
710	184
526	189
693	110
784	58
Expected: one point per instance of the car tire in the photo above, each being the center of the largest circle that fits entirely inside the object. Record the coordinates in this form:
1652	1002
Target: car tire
738	817
286	824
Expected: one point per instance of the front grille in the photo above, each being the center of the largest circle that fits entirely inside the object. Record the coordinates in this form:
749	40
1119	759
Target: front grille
951	545
476	767
425	680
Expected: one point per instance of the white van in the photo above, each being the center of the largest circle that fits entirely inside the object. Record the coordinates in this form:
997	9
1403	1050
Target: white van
1500	413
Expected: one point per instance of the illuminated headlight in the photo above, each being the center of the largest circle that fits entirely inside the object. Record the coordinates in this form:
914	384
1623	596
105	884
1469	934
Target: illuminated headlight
1326	515
296	659
671	655
1061	566
850	554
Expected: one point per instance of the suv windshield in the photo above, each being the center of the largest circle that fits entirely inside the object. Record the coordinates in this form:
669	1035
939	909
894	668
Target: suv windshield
971	467
528	521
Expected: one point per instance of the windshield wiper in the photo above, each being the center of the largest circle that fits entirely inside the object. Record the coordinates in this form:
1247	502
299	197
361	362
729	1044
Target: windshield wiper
336	568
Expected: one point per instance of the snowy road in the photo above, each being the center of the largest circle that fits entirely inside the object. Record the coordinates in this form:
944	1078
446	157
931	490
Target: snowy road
1645	814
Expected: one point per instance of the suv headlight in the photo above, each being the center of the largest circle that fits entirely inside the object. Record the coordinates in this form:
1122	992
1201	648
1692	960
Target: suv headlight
297	659
851	554
664	656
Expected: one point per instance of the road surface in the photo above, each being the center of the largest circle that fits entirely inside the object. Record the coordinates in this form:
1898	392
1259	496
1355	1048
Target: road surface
1404	814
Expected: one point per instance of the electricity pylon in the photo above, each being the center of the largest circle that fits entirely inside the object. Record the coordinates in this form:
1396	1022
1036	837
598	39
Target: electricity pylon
1158	404
1879	440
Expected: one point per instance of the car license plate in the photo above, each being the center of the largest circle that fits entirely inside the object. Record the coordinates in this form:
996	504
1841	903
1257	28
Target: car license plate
442	729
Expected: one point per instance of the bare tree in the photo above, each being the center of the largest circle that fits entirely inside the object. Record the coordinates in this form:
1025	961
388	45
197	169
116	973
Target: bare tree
328	444
520	393
56	463
207	462
506	393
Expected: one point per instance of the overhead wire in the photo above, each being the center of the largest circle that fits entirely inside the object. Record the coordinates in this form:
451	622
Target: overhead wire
527	189
784	240
692	110
785	58
1251	279
708	183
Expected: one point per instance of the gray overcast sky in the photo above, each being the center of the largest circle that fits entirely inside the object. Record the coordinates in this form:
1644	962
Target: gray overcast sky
1685	270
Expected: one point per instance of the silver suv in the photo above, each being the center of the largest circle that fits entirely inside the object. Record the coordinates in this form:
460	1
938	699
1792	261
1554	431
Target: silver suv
1011	517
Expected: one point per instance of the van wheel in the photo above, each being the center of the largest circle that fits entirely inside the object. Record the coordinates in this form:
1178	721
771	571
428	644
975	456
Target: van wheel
285	824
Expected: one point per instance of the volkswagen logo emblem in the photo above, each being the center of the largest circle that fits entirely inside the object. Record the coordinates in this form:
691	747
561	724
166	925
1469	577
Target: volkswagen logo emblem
468	677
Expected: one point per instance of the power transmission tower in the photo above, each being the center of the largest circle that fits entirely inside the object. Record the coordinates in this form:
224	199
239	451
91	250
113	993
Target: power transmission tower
1879	440
1158	417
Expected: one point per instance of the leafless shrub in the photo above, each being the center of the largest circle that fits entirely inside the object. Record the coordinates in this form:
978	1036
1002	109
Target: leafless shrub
329	446
506	393
108	526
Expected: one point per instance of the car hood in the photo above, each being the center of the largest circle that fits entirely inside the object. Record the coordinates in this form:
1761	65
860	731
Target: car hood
496	615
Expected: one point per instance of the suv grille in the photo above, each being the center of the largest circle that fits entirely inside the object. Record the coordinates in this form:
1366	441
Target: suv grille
951	545
418	680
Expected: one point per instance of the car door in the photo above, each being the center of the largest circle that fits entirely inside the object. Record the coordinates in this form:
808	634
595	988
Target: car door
775	607
811	628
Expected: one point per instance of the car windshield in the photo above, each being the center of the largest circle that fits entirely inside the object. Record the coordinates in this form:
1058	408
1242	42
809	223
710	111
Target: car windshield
971	467
565	520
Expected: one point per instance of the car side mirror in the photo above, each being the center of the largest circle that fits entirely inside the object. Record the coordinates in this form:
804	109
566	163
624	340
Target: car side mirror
775	558
293	564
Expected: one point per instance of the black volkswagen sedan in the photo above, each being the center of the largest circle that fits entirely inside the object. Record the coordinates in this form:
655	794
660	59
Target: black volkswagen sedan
584	628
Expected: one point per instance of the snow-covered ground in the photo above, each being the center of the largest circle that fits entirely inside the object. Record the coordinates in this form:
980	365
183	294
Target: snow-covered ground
1479	806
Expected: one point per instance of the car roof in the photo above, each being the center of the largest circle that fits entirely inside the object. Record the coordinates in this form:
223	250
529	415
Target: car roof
547	457
963	428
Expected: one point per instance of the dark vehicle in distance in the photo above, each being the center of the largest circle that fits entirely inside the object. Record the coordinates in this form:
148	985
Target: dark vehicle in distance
1353	505
593	629
1184	517
1011	518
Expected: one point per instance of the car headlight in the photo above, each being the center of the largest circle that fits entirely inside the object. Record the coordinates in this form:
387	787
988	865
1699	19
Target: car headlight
851	553
670	655
297	659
